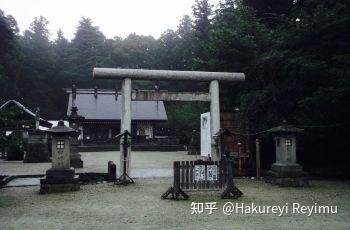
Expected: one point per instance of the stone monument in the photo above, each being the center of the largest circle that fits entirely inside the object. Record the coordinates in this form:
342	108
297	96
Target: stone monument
285	171
60	178
37	149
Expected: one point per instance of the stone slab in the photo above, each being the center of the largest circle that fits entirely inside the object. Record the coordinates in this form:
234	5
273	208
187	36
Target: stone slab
56	188
287	178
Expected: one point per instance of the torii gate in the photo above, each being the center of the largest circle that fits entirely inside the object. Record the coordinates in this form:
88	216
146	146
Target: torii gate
126	75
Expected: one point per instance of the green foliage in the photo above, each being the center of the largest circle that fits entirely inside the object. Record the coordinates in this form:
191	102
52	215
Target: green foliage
135	51
8	52
183	118
202	12
88	50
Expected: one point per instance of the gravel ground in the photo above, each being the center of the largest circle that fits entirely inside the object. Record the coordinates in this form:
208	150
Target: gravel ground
138	206
143	164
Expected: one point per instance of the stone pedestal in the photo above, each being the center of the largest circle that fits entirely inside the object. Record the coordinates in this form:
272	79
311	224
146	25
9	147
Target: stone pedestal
75	157
59	180
291	175
37	148
286	172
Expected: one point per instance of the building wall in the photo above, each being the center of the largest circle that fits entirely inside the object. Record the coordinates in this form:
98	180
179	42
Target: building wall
99	132
238	143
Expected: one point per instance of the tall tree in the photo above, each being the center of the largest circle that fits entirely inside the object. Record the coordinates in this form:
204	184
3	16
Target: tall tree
168	51
135	51
9	55
62	53
202	12
38	70
89	50
185	43
37	49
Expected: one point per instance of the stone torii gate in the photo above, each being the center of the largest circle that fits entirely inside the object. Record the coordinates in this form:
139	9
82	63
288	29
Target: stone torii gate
126	75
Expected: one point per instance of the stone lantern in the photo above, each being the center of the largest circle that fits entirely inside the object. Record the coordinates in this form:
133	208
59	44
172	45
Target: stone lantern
74	120
286	171
60	178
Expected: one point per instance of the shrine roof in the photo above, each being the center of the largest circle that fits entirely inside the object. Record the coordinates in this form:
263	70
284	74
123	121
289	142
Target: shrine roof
106	106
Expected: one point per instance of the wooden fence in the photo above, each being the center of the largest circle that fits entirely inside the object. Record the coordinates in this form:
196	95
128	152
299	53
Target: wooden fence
202	176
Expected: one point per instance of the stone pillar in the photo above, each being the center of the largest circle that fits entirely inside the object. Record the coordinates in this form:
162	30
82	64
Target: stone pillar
286	171
214	116
125	121
60	178
37	118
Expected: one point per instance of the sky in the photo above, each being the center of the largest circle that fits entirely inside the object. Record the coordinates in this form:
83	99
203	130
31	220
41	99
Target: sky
114	17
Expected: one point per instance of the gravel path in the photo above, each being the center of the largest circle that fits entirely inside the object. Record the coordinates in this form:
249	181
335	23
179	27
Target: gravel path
138	206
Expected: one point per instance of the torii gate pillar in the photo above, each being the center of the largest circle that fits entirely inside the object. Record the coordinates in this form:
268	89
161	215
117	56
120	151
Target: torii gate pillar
125	123
214	116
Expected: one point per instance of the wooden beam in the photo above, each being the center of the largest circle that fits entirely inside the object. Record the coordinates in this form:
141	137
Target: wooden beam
154	95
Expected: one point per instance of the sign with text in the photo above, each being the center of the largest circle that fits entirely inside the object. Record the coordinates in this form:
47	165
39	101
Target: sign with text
212	172
199	172
205	135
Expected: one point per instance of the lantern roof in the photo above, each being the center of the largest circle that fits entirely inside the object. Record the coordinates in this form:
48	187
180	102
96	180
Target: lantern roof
285	128
61	129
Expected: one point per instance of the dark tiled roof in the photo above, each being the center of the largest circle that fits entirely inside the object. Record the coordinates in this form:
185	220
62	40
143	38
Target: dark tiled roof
42	122
106	107
285	128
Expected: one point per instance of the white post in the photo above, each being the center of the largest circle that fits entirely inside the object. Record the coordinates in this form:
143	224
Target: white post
125	120
214	115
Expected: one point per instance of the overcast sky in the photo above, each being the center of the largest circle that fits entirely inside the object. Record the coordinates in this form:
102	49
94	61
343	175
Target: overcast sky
114	17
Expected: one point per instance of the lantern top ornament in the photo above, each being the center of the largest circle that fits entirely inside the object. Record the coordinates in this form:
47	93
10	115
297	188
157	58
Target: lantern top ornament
61	129
285	128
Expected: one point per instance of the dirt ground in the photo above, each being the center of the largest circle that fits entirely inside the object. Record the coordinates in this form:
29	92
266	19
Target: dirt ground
139	206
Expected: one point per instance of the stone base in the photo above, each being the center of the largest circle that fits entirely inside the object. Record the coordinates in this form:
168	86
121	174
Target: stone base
59	180
287	175
76	163
46	187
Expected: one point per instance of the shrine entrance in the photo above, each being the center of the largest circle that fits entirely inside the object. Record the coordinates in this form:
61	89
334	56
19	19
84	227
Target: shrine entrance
127	75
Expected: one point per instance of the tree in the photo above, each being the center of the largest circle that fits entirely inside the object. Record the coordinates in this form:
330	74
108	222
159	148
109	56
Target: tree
62	53
135	51
168	56
89	50
202	12
271	11
185	43
9	54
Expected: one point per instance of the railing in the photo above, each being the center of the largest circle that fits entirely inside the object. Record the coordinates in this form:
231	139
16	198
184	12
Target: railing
203	176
